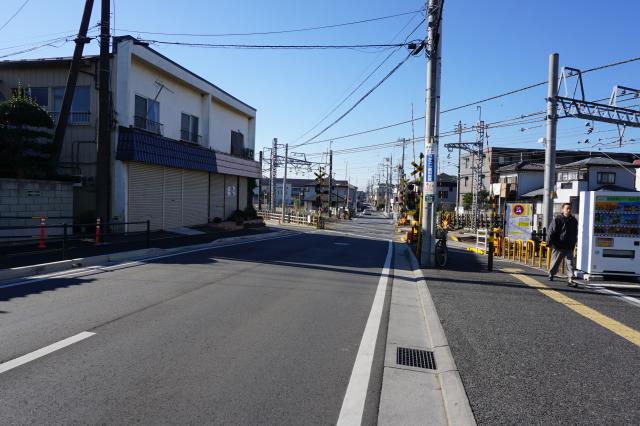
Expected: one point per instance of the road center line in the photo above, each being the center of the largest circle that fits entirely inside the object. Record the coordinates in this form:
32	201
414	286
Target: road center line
609	323
356	395
16	362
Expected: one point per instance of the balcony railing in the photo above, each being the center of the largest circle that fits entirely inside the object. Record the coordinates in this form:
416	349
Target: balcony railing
74	117
148	125
188	136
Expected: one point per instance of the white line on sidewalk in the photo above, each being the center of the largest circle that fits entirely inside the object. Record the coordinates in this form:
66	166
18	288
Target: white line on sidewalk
105	268
356	395
16	362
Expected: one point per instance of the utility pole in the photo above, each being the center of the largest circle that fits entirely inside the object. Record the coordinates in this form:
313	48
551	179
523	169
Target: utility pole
550	147
103	165
260	185
430	193
346	177
284	181
272	177
459	132
72	78
330	179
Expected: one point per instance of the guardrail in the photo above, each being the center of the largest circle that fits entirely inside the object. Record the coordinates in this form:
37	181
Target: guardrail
313	220
529	252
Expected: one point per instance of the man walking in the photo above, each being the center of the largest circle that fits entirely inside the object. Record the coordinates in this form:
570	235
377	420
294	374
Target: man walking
563	236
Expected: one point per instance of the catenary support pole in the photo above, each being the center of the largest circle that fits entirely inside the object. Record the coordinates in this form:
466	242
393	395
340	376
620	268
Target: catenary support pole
284	182
103	166
330	197
550	141
273	174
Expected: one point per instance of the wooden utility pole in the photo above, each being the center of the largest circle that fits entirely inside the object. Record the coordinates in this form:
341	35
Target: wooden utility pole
72	79
103	169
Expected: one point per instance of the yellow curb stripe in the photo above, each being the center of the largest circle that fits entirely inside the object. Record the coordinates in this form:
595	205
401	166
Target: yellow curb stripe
609	323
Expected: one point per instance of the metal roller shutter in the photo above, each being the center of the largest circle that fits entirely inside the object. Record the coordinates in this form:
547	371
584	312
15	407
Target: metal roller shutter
217	196
145	193
230	195
172	198
195	186
243	192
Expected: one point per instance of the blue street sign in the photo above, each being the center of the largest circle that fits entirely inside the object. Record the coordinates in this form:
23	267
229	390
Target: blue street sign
430	172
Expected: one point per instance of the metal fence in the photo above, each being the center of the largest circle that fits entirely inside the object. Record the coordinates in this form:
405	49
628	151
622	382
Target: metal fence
61	237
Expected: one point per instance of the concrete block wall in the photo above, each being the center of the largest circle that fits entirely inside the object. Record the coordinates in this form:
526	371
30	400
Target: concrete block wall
24	201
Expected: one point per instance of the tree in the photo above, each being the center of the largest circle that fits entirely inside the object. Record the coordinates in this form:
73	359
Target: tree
25	139
467	200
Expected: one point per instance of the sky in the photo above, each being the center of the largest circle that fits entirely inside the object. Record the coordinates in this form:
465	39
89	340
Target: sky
489	47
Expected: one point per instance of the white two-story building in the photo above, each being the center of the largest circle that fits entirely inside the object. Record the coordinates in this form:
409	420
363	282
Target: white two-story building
182	150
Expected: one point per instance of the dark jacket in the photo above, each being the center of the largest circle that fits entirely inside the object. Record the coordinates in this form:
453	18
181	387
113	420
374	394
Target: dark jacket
563	232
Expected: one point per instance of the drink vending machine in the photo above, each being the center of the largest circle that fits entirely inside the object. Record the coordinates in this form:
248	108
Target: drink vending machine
609	233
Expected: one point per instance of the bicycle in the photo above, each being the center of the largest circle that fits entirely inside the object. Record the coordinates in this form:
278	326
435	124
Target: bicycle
441	247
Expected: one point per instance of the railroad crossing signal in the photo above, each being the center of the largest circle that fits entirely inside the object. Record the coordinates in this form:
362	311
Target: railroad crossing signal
417	168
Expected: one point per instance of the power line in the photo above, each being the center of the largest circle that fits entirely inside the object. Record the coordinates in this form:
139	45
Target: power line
522	89
294	30
360	84
276	46
14	15
337	120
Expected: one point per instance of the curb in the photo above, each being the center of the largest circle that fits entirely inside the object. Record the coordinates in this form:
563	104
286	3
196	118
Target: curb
110	259
456	402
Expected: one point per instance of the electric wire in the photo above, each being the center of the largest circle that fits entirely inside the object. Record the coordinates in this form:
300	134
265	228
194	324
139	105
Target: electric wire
14	15
294	30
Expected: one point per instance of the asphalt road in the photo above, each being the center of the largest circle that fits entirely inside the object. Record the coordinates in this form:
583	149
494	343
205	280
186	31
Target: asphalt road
525	358
259	333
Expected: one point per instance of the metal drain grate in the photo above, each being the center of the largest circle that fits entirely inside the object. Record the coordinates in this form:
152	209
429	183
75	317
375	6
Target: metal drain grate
415	358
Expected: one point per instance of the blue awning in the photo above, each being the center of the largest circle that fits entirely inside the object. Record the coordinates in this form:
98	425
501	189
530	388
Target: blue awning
139	145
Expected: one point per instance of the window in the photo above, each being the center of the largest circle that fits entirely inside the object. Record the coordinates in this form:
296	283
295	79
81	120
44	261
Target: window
189	128
567	176
466	162
606	178
237	144
501	160
80	106
39	95
466	180
443	195
147	114
566	185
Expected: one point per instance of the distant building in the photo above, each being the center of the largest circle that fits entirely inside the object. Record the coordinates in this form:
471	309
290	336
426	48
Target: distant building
592	174
447	191
497	157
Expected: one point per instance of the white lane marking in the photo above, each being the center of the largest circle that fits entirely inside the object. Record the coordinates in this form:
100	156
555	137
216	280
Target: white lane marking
90	270
354	399
632	300
16	362
341	244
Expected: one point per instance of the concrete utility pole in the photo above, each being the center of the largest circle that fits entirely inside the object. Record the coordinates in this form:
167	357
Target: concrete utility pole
430	193
103	166
272	177
330	179
260	185
284	181
550	142
72	78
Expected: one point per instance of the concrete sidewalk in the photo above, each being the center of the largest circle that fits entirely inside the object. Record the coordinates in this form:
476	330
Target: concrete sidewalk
413	395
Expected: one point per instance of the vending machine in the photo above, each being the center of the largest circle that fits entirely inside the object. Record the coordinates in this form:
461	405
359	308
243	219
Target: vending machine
609	233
